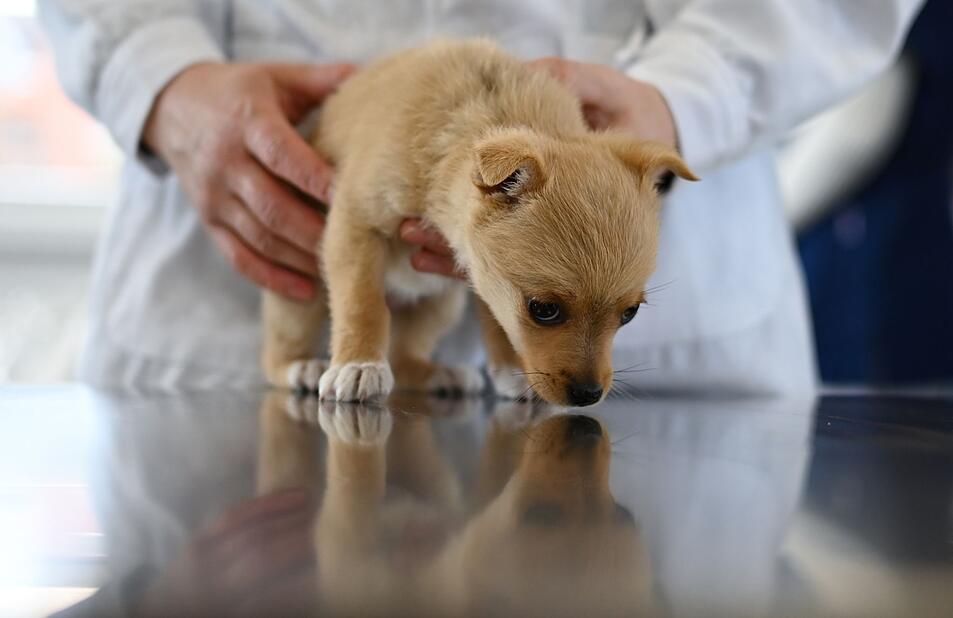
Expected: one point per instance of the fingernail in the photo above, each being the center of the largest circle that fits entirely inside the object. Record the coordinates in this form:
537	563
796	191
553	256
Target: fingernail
410	230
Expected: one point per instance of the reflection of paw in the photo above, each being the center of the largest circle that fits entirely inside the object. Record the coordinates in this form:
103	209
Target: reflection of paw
304	375
455	381
302	408
356	382
355	424
510	382
513	416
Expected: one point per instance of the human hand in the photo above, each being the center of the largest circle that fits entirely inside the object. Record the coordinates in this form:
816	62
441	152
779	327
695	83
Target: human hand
227	132
257	558
433	254
611	99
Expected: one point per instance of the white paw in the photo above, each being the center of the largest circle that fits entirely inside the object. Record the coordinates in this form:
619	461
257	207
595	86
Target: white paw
356	382
455	381
510	382
304	375
355	424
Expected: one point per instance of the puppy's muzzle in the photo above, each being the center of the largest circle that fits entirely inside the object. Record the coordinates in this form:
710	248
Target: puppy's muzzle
584	393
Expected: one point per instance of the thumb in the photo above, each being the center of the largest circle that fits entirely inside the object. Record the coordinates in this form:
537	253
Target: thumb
581	78
309	84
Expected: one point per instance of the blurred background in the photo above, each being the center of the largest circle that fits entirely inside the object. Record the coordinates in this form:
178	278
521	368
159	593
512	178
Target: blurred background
867	188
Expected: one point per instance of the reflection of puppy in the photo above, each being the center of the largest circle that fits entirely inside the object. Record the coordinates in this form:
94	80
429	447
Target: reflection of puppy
545	535
389	501
553	542
557	227
288	450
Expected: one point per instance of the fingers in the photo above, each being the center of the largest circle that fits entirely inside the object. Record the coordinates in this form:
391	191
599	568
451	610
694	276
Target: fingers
257	509
583	79
435	255
239	218
428	262
272	140
416	232
316	81
277	208
258	269
277	145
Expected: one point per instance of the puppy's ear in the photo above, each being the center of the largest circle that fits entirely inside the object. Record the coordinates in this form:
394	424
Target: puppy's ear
507	166
657	163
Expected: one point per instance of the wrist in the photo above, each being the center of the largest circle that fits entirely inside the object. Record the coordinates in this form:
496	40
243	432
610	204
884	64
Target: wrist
159	130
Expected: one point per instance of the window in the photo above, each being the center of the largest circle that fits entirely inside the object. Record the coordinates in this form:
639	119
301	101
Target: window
51	152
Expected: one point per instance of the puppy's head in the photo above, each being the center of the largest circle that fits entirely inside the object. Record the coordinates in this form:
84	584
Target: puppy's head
563	240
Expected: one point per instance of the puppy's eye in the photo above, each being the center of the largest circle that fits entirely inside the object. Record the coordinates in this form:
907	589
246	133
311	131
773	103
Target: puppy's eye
664	183
544	313
629	313
544	515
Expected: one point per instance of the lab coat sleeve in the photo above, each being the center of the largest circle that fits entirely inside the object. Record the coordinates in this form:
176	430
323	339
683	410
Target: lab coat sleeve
739	73
113	58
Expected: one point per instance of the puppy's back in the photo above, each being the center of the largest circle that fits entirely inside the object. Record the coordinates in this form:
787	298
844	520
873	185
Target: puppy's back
417	100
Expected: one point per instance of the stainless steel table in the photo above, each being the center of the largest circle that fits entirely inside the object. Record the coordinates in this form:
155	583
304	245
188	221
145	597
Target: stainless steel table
266	503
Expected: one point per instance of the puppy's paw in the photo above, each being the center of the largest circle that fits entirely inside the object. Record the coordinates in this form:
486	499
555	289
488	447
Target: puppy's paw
355	424
455	381
306	374
356	382
510	383
302	408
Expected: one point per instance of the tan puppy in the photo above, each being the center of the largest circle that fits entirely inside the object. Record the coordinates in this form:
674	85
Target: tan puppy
556	226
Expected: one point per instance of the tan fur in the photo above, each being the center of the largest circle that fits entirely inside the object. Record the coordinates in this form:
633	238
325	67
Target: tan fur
495	156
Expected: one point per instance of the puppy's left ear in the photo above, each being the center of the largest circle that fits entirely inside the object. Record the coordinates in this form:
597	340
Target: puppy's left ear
652	161
508	165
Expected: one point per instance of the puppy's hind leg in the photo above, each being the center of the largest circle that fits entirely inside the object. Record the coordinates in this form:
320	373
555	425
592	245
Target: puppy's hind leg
291	330
417	329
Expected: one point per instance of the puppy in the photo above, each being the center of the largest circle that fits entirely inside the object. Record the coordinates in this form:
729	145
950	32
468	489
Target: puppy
556	226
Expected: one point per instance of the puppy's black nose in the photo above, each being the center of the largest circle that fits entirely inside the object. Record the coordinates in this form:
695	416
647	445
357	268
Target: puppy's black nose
584	393
581	428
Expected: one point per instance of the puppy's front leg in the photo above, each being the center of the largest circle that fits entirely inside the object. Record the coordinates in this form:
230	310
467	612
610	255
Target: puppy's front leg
505	366
354	262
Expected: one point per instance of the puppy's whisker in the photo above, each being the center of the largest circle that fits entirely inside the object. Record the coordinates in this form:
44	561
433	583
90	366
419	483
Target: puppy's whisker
624	438
659	287
630	367
531	387
633	370
628	392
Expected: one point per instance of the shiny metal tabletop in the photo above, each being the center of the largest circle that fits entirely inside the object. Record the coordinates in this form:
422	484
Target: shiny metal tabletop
266	503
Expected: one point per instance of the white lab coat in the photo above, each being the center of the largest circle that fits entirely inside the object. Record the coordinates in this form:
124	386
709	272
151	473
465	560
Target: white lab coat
168	311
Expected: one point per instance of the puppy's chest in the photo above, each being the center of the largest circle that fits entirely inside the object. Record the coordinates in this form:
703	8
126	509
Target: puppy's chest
404	285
